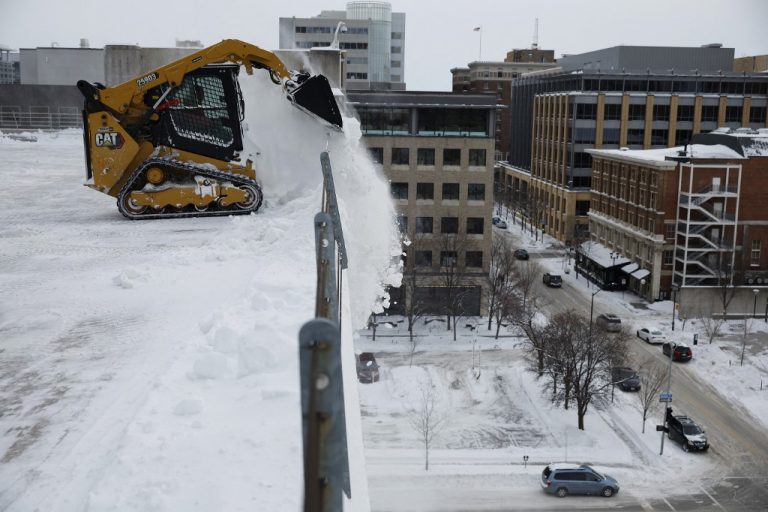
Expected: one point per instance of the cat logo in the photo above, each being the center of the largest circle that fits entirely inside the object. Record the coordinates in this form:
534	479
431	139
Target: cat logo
111	140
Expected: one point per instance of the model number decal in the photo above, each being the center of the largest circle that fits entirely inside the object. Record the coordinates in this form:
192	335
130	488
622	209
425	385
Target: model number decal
149	78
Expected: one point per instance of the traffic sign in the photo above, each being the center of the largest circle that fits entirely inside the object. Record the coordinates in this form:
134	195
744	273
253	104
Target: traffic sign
665	397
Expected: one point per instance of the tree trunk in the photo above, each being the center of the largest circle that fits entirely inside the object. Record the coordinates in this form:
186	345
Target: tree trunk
645	413
426	456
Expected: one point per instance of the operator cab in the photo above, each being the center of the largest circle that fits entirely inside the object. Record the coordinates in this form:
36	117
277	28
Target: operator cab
203	114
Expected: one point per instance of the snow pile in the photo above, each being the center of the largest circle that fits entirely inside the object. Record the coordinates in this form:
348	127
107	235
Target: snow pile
286	144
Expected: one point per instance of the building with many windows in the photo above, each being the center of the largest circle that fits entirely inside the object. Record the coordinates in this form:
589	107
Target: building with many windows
692	216
371	35
496	77
436	149
558	116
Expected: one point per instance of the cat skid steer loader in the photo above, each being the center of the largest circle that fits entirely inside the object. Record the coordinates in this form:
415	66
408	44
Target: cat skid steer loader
168	143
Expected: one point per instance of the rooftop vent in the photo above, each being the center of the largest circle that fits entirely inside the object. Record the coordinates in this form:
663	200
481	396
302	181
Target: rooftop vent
712	45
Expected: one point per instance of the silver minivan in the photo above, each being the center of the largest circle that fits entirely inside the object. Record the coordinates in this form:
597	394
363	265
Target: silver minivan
562	479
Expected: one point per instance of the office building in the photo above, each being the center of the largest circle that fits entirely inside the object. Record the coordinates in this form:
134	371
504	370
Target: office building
437	151
496	77
558	115
371	35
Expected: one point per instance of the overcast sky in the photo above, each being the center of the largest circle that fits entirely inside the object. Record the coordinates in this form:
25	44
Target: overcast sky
439	34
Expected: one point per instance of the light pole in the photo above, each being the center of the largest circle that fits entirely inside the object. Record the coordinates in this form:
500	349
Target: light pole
675	289
592	309
672	346
642	287
614	257
754	307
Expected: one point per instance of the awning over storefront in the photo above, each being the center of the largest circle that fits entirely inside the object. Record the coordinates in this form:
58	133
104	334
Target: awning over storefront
641	274
601	255
630	268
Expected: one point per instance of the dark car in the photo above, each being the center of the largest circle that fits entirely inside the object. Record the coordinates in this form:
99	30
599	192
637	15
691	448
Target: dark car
681	352
367	368
685	431
553	280
626	378
521	254
609	322
563	479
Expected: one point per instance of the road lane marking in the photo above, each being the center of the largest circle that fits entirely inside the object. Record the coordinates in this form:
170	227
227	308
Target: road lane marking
669	504
713	500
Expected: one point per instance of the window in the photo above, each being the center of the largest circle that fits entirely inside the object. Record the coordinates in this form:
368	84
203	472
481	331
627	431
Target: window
451	191
400	156
477	157
757	115
637	112
709	113
451	157
733	114
667	257
474	259
754	258
586	111
449	225
402	223
476	192
425	156
396	49
424	224
453	122
377	155
661	112
582	208
683	137
399	190
475	225
612	112
448	258
582	160
659	137
669	231
635	136
584	135
394	63
425	191
685	112
423	258
357	76
397	35
611	135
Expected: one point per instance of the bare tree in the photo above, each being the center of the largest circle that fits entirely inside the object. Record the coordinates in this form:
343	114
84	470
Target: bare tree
414	306
725	278
426	419
501	273
451	246
652	377
586	357
526	274
559	339
713	326
746	330
525	315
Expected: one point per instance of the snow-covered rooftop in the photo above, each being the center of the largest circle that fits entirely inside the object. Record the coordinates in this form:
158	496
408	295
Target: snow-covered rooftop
602	255
656	156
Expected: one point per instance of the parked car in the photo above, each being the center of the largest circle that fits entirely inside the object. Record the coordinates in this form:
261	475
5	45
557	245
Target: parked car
682	352
552	280
367	368
609	322
685	431
495	219
626	378
562	479
501	224
651	335
521	254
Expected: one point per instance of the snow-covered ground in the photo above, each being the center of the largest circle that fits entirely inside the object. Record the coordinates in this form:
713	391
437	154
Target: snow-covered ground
153	365
496	413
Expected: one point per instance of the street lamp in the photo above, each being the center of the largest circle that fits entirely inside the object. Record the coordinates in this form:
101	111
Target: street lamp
754	307
672	346
614	257
675	289
592	309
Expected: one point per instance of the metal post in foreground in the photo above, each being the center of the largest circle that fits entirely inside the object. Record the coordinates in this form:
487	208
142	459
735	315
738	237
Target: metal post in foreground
675	288
592	309
669	387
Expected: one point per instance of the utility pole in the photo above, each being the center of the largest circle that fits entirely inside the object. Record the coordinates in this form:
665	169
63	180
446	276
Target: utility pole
669	386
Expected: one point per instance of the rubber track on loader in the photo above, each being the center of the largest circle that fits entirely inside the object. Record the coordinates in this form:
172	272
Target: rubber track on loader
193	170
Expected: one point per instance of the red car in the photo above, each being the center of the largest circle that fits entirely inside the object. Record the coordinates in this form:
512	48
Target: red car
681	352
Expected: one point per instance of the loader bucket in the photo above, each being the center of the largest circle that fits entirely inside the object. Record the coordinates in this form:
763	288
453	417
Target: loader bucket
314	96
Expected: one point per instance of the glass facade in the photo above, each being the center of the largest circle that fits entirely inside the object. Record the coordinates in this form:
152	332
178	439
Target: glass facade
379	16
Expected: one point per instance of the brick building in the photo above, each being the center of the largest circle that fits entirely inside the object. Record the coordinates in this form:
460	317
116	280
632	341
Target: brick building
693	216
